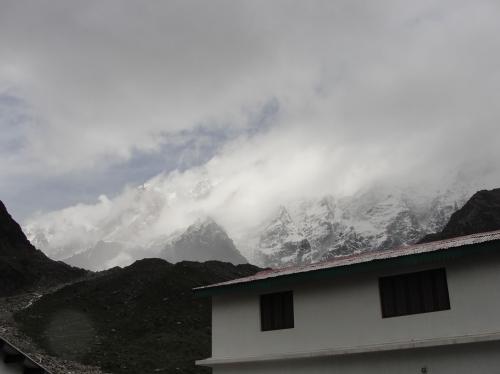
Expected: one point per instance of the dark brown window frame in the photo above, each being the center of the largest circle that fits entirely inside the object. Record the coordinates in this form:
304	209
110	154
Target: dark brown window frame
276	311
414	293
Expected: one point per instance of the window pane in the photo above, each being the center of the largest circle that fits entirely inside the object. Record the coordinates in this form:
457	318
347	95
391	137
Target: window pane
276	311
420	292
387	297
427	291
414	291
441	289
265	312
288	309
277	308
400	291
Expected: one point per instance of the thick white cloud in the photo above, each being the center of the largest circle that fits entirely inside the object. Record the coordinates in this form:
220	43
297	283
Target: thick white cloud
366	90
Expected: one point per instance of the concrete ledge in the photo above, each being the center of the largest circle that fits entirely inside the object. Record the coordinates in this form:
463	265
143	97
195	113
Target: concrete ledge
425	343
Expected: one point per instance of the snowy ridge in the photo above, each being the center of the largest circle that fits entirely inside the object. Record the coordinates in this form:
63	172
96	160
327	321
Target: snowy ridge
313	230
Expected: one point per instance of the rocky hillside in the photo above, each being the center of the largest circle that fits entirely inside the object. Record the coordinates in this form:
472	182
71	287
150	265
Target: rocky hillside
22	266
480	214
139	319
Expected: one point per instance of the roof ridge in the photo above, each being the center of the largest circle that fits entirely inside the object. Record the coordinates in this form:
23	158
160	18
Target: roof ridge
370	251
366	256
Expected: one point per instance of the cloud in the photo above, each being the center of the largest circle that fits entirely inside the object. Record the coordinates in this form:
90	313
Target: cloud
105	79
306	97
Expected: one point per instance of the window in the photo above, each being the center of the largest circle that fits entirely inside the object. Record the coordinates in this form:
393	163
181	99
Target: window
276	311
421	292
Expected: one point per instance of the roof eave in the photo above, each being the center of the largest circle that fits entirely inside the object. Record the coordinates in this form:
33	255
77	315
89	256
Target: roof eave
363	267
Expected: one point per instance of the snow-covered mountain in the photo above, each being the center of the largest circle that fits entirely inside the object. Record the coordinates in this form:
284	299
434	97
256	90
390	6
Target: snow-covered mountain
282	242
312	230
166	217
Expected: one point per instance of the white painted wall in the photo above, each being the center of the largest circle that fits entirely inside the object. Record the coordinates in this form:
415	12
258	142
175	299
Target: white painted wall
480	358
345	313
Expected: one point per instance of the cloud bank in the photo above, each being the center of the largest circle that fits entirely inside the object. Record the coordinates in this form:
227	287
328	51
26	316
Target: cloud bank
306	98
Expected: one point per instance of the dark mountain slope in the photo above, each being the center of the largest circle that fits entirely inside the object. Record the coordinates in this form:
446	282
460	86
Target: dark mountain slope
480	214
139	319
22	266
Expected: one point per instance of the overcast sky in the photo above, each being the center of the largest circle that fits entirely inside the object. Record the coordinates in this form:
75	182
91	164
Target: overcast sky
296	96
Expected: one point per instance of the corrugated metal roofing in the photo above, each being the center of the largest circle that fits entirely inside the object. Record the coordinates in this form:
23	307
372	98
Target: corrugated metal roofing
363	258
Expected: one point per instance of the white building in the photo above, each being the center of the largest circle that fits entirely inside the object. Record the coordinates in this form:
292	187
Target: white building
428	308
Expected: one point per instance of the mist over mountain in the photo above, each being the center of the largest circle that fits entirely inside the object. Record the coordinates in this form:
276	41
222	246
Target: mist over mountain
180	217
204	240
104	255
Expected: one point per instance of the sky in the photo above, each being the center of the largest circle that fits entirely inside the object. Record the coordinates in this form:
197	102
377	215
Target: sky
274	98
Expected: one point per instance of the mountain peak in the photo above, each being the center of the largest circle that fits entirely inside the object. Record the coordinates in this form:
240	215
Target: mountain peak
204	223
12	238
204	240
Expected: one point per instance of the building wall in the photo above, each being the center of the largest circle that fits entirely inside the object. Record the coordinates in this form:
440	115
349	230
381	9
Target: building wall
345	312
479	358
